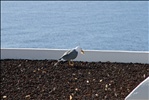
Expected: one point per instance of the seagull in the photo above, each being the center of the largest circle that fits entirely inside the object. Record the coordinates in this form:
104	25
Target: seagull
70	55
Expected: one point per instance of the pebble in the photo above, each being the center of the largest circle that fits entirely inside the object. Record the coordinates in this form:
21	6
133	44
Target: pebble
100	80
73	74
106	85
76	89
96	95
144	75
4	97
87	81
76	78
70	97
27	96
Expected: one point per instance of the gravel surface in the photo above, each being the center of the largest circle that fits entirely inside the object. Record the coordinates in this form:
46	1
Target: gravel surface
40	80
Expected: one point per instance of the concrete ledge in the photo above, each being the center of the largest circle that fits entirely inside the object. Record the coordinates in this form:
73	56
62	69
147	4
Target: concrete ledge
90	55
141	92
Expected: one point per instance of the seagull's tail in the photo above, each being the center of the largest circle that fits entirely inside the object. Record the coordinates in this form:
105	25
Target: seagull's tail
57	62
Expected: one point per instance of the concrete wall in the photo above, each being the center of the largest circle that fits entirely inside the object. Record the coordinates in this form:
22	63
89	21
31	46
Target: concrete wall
90	55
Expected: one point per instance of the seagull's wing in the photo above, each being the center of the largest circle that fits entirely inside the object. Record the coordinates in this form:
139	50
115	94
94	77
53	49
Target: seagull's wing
65	54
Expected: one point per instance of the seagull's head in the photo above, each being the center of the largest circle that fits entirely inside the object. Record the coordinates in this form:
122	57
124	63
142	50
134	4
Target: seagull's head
79	49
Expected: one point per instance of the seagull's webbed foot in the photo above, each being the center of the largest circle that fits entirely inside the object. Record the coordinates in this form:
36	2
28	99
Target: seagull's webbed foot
71	63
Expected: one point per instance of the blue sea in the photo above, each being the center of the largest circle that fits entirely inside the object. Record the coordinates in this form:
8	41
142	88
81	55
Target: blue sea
94	25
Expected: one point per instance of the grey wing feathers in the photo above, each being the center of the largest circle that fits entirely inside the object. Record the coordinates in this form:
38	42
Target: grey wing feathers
66	53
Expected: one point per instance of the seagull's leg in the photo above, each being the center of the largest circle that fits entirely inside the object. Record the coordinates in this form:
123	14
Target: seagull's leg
71	64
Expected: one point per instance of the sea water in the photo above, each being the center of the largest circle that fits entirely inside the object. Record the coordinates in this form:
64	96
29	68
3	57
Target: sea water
96	25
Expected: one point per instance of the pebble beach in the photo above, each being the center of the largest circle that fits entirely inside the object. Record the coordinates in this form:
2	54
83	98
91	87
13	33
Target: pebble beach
40	80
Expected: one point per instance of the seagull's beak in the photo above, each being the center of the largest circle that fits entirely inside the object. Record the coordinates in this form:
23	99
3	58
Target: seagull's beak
82	52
